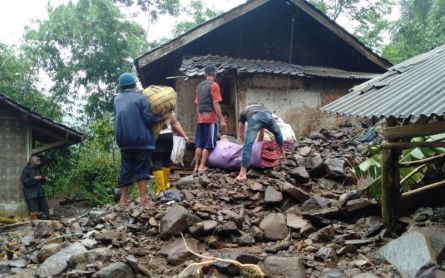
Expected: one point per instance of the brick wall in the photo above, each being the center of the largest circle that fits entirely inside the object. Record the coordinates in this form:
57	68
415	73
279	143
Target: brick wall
13	157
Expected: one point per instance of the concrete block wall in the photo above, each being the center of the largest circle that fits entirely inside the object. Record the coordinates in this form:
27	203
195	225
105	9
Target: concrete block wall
13	157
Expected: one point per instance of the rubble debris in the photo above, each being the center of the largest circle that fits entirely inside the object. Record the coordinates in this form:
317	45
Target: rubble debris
48	250
296	193
272	196
176	251
58	262
335	168
300	175
304	218
275	266
115	270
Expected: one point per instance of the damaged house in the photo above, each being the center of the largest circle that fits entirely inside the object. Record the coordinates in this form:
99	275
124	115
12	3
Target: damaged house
24	133
285	54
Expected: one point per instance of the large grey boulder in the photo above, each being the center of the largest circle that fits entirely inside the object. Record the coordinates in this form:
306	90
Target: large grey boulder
58	262
80	261
295	221
300	175
335	168
409	253
115	270
174	222
185	182
274	226
176	251
48	250
289	267
296	193
436	235
318	168
272	196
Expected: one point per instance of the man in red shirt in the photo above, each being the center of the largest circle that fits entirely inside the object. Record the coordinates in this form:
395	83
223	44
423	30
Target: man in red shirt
208	97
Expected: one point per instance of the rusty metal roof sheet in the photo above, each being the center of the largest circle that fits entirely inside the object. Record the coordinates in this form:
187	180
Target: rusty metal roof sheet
413	88
194	66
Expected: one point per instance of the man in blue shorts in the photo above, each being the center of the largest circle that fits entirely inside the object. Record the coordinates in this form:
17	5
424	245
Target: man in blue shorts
208	97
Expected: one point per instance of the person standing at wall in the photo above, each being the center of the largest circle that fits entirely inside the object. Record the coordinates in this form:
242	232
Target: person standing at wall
133	123
258	118
208	97
32	182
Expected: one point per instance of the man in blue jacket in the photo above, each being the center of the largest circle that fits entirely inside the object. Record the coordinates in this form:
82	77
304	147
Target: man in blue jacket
133	121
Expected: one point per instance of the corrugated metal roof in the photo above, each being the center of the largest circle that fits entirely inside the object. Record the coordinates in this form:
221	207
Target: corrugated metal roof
194	66
412	88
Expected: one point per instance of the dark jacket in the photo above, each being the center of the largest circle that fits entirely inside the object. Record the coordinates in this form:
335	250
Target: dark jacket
32	188
133	121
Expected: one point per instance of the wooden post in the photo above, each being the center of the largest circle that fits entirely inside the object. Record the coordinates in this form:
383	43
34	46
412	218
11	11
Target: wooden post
390	183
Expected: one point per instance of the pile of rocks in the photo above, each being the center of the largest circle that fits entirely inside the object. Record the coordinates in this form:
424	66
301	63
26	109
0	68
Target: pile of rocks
303	219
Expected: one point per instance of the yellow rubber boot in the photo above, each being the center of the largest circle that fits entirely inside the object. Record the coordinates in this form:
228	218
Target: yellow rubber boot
166	171
159	179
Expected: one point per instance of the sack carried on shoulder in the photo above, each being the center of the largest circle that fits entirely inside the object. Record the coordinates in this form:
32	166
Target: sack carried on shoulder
162	101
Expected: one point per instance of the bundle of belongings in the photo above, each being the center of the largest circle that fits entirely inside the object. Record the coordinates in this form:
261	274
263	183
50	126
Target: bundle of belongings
227	155
162	101
288	133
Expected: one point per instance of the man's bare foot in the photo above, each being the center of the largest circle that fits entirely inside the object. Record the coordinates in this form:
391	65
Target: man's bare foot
202	169
146	202
123	204
241	178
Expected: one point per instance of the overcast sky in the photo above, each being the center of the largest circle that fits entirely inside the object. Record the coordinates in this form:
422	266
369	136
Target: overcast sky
16	14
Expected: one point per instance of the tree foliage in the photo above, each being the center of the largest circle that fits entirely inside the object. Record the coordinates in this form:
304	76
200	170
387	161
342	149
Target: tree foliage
83	47
155	8
367	18
198	13
420	28
17	81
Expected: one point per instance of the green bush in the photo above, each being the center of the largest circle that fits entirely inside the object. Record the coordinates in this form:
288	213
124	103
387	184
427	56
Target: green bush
89	170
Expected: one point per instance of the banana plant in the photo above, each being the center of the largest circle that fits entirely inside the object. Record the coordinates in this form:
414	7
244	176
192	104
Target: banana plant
370	171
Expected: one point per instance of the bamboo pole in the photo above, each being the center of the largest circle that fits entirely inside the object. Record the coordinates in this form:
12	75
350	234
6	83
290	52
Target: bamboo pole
422	189
412	173
422	161
390	183
411	145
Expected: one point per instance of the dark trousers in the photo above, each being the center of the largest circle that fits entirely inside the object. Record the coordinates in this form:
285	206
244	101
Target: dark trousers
163	151
38	205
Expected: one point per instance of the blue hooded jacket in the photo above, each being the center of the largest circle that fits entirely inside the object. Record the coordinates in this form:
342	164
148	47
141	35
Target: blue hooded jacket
133	121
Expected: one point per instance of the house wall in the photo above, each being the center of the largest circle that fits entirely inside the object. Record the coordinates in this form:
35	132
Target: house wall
13	157
185	109
297	100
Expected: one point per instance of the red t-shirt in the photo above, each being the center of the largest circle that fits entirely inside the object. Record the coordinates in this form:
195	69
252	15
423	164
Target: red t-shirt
209	117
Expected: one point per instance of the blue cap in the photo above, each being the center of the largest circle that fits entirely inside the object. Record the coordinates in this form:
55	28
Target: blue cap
126	79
